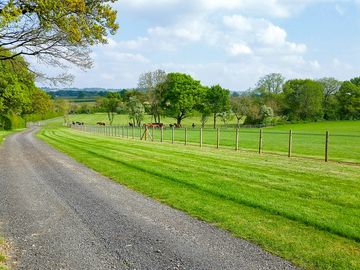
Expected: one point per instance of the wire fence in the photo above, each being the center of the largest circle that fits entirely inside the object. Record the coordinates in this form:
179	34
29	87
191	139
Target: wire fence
326	146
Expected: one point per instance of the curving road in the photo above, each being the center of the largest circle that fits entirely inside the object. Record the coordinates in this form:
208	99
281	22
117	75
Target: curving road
59	214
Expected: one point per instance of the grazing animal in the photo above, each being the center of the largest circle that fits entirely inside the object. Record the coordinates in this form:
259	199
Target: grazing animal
100	123
193	125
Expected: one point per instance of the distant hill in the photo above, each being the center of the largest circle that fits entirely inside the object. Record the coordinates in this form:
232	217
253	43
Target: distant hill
74	89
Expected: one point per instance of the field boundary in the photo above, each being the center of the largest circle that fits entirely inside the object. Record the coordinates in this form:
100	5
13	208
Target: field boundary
147	134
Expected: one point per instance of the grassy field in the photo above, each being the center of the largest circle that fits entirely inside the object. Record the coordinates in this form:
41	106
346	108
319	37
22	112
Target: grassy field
308	139
305	211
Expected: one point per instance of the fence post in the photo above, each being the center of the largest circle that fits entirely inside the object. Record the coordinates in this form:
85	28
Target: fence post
185	136
290	143
161	134
152	134
201	137
172	134
261	141
327	146
140	134
217	138
237	140
127	132
132	132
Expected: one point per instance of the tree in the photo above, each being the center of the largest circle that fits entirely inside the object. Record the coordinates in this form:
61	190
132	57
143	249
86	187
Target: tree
217	99
110	103
240	105
355	81
41	103
136	111
266	114
349	101
303	100
150	81
62	106
226	117
180	95
270	84
331	87
55	31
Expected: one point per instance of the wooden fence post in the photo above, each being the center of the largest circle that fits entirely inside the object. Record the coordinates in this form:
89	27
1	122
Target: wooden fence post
127	132
261	141
140	134
290	143
132	132
217	138
185	136
161	134
152	134
237	140
172	134
201	137
327	146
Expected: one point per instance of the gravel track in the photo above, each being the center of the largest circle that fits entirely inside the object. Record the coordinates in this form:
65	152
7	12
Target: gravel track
58	214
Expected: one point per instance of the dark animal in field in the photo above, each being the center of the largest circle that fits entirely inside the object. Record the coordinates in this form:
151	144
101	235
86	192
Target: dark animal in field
73	123
131	124
100	123
193	125
171	125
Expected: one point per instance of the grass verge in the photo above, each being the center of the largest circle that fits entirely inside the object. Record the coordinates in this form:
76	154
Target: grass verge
302	210
3	254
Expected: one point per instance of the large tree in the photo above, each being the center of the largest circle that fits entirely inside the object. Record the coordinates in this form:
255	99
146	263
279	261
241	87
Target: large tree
349	101
303	99
110	104
180	95
270	84
240	106
150	82
56	32
217	99
331	87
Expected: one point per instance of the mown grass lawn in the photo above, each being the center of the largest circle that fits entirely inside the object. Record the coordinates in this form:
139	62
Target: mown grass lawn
305	211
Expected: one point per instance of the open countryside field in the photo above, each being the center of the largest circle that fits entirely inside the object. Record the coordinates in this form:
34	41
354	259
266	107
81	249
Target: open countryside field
310	217
308	138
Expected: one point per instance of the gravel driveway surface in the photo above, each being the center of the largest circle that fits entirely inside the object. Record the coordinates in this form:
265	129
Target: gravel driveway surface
59	214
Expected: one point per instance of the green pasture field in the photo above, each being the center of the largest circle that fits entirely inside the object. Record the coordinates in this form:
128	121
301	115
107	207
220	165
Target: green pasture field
308	138
305	211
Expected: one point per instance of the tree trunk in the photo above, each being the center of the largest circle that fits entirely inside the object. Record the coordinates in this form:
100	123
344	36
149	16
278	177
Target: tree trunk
238	122
214	120
178	121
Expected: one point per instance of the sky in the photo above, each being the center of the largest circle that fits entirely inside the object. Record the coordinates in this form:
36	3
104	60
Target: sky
228	42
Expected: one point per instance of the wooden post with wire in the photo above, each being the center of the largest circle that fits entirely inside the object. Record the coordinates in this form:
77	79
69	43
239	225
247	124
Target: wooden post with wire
186	136
201	137
327	146
261	141
237	139
161	134
217	138
172	135
290	143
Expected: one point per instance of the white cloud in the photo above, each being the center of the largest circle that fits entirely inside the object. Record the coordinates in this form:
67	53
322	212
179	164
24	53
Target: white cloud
236	49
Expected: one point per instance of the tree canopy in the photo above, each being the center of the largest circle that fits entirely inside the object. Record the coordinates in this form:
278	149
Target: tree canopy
56	32
180	95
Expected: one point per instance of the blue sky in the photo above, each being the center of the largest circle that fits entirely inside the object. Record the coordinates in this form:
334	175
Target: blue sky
228	42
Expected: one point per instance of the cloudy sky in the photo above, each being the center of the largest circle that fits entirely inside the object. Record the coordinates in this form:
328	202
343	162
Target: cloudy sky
228	42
